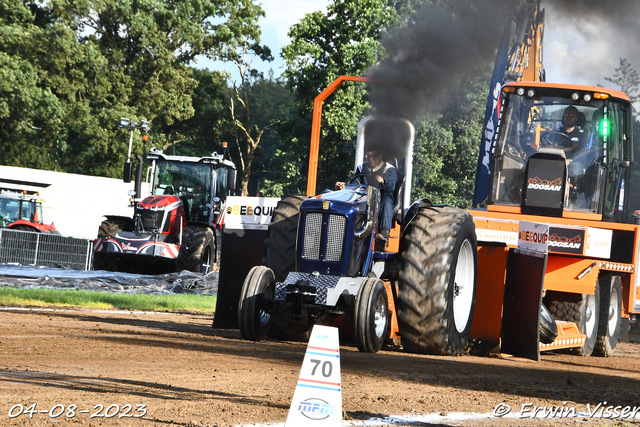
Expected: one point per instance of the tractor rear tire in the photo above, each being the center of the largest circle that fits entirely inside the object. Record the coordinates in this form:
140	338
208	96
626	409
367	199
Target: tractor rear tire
581	309
255	302
107	229
280	257
437	281
280	245
610	315
371	316
198	251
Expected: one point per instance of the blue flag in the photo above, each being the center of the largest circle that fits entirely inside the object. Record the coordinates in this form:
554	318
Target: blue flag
483	172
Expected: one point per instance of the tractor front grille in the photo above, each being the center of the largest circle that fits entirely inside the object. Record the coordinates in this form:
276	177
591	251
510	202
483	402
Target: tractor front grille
151	220
314	233
335	237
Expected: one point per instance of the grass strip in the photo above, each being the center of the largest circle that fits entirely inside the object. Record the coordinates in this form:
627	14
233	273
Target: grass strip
174	303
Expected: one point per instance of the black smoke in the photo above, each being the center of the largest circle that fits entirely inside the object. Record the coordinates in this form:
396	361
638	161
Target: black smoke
430	55
585	39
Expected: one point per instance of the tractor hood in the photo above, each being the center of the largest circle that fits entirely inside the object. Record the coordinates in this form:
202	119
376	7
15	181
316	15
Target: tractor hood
336	231
159	202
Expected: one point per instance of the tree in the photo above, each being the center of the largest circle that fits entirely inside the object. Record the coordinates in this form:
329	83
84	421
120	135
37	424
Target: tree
627	79
104	59
248	142
210	125
345	41
446	149
422	57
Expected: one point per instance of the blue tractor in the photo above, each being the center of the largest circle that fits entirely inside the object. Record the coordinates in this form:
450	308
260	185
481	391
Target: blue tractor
320	264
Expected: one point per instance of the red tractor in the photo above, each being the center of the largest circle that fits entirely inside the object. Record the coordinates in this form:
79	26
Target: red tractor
23	211
173	228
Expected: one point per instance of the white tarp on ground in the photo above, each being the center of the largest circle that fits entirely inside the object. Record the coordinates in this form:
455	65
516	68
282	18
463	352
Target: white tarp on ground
74	203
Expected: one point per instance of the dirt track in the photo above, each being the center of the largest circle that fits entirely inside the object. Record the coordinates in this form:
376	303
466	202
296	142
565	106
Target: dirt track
187	373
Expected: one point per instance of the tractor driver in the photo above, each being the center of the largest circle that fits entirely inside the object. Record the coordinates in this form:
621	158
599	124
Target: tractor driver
577	135
383	176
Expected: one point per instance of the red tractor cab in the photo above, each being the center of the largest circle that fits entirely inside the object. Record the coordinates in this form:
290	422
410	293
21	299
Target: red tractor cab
23	211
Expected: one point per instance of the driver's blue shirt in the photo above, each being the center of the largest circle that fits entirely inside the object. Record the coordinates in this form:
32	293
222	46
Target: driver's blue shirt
386	171
389	175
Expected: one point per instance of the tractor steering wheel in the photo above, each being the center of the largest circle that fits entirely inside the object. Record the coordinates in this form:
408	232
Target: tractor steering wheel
546	141
358	175
372	182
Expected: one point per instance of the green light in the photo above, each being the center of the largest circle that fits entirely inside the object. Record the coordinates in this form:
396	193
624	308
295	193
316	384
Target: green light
605	128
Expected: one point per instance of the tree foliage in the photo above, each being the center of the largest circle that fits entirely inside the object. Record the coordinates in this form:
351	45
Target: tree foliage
84	64
344	41
627	79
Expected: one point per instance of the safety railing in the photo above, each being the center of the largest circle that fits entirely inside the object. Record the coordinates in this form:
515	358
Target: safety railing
43	249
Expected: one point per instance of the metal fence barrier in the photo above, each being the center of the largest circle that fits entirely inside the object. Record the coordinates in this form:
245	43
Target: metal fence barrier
48	250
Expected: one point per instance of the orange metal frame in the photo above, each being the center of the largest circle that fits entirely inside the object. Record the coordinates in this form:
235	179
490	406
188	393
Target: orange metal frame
315	128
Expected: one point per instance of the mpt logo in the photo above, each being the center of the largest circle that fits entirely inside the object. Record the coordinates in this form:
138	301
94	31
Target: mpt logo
315	409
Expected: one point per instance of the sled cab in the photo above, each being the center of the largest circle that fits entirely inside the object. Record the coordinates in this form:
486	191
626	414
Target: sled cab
562	151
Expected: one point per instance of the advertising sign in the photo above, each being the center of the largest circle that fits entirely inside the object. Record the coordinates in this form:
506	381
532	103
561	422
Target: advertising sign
533	236
249	213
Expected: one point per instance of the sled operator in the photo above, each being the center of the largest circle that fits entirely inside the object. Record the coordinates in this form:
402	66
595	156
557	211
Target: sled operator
384	176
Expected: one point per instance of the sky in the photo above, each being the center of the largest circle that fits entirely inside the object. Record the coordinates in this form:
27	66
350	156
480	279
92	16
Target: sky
576	49
281	15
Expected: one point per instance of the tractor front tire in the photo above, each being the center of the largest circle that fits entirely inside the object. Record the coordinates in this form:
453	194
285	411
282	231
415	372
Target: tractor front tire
437	281
583	310
371	316
198	250
280	257
610	315
255	302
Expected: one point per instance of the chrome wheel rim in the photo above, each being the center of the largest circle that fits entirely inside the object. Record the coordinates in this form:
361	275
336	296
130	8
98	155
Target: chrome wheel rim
463	286
590	324
614	313
205	267
264	314
380	317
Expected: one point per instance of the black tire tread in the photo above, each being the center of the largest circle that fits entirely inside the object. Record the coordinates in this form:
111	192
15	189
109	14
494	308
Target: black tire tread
280	244
249	303
194	241
548	327
606	345
362	322
422	309
570	308
280	257
107	229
